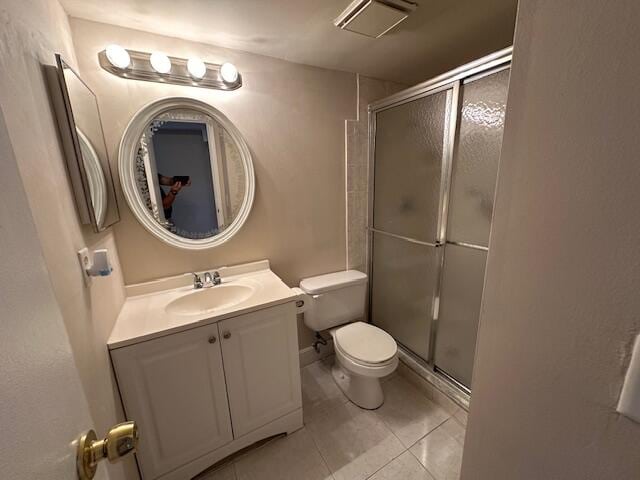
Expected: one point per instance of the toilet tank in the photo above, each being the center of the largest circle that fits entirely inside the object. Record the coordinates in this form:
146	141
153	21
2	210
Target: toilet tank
338	298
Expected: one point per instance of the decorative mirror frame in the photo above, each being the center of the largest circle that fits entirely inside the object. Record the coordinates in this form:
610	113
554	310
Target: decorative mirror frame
129	146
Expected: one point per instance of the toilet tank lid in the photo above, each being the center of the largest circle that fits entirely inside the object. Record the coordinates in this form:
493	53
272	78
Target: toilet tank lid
332	281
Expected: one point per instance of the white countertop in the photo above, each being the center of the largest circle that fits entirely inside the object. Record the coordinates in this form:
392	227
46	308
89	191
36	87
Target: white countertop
143	315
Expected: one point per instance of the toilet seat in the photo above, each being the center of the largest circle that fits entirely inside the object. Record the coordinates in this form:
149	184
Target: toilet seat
365	344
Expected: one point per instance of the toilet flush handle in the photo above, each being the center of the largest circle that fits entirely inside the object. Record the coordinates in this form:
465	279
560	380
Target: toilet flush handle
302	299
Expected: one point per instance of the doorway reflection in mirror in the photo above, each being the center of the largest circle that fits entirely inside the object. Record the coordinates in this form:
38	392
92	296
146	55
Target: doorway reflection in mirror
189	174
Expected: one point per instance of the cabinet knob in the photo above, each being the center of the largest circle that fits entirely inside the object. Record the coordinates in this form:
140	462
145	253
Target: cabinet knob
226	335
212	339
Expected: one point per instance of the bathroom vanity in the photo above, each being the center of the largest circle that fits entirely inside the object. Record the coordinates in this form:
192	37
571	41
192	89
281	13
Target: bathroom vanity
207	372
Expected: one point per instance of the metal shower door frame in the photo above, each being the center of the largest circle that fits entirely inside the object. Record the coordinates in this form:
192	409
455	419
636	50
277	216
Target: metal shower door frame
449	81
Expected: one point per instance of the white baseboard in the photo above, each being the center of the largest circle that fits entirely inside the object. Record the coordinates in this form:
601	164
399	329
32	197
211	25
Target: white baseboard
309	355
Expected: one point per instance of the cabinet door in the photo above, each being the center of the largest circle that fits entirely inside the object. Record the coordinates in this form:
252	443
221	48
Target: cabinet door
174	388
260	352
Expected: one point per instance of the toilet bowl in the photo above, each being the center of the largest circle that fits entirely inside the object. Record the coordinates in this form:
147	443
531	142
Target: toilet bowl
364	352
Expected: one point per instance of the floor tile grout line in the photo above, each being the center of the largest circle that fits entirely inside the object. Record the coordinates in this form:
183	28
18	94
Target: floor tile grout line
463	427
401	453
315	444
433	475
415	456
428	433
379	417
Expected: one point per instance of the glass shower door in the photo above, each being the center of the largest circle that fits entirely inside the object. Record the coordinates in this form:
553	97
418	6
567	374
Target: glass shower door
474	172
410	173
435	152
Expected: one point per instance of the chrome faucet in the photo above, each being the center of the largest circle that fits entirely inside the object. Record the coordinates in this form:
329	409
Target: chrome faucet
197	281
212	280
207	280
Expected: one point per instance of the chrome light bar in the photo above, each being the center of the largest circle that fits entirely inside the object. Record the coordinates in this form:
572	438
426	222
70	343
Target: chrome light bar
140	68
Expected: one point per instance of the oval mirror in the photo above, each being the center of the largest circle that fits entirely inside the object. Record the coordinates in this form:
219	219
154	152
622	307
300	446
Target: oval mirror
186	173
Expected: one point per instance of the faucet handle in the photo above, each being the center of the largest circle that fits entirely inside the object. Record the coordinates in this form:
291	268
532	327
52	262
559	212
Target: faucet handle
197	281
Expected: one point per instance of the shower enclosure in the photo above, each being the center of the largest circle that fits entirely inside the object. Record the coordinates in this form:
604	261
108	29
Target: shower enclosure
434	152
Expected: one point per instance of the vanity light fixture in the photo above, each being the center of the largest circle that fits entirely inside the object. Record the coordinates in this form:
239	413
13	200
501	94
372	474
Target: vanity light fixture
158	67
228	72
196	68
160	62
118	56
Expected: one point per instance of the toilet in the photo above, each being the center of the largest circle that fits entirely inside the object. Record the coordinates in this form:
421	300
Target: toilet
364	352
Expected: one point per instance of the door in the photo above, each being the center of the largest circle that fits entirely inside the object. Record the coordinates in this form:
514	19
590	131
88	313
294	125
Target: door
43	404
473	180
261	362
411	170
175	389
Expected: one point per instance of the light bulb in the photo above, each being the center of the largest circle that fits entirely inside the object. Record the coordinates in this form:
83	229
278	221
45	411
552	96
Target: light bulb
118	56
160	62
229	72
196	68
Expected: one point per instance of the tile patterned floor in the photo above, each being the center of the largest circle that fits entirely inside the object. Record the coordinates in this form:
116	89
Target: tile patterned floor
410	438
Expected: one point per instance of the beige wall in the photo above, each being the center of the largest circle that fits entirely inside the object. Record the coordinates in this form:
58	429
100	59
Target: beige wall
28	39
292	117
561	304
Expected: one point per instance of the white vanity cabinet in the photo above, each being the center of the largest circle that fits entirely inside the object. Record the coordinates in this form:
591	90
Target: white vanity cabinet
261	362
186	390
174	388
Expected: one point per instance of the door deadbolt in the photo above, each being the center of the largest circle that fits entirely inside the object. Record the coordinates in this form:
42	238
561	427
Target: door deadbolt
119	442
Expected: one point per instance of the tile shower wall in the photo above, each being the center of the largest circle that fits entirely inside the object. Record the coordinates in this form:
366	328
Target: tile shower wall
357	168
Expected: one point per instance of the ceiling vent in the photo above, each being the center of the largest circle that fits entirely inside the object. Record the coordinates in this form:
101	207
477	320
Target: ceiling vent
374	18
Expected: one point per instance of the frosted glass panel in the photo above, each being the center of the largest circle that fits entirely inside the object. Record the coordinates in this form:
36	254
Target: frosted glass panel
460	298
408	167
403	281
475	164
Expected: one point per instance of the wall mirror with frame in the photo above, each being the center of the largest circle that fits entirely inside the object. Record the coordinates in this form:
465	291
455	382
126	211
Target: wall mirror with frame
84	145
187	173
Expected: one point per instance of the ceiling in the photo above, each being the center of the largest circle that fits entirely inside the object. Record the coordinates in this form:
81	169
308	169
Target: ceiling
438	36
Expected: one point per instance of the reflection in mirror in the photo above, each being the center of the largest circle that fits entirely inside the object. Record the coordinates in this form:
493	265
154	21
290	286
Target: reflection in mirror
84	145
190	173
95	177
186	173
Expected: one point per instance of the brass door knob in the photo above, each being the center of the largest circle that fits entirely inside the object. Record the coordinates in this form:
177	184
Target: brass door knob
226	335
120	441
212	339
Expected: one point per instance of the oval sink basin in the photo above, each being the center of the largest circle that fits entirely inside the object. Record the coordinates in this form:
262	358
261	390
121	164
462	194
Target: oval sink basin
210	299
